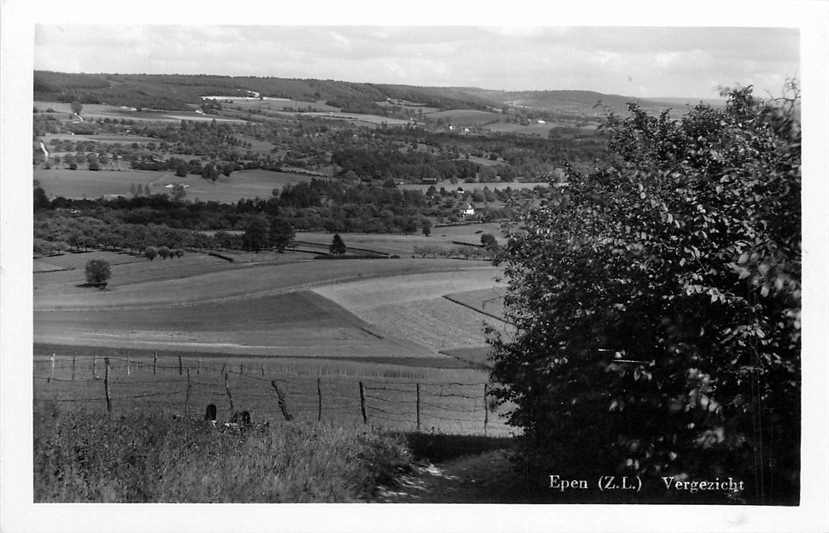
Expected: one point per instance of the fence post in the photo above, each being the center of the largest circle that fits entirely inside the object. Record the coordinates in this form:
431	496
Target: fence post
418	406
73	367
51	368
261	370
198	366
106	384
155	362
241	369
363	403
129	367
283	404
187	397
94	369
179	365
227	391
319	400
486	408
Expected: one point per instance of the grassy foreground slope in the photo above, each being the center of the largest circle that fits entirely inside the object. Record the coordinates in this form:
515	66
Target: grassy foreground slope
85	457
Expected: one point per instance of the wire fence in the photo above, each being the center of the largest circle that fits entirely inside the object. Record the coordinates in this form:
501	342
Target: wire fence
186	385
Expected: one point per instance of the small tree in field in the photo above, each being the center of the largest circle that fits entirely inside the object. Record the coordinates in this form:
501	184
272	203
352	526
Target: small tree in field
76	107
488	241
657	304
426	226
337	245
98	272
163	252
150	252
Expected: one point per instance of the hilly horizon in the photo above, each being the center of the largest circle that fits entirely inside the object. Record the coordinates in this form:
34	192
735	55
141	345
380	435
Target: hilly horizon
183	91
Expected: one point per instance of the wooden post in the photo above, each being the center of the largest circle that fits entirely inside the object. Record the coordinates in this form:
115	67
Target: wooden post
319	400
283	404
198	366
227	391
129	368
261	370
179	365
94	367
51	368
73	367
187	397
106	384
486	409
363	403
155	362
224	365
242	369
418	406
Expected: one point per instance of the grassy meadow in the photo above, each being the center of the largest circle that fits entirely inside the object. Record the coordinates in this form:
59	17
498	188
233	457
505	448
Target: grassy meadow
240	184
82	456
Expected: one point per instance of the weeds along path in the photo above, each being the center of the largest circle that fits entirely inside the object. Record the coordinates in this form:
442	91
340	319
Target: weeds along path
487	477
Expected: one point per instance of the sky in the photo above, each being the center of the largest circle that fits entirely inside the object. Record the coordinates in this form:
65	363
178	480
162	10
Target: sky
643	62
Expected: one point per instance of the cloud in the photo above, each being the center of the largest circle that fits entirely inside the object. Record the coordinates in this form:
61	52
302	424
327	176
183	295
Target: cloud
624	60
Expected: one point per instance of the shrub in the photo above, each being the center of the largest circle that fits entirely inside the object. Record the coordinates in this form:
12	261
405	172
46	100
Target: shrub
97	272
163	252
337	245
657	302
150	252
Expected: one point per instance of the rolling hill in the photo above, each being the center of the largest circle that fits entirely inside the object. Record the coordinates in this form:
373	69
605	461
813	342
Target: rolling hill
179	92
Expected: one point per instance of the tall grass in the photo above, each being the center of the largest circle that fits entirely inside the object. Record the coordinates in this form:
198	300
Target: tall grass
84	456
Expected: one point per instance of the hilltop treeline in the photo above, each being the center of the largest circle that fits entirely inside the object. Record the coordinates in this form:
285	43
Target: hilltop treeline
177	91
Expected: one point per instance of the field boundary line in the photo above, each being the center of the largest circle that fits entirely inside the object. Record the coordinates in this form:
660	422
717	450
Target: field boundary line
481	311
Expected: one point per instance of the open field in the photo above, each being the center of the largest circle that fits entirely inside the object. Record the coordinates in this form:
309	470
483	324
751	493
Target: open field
103	138
403	245
71	260
465	117
383	309
488	301
125	272
94	184
223	281
108	111
40	265
271	105
359	117
299	323
413	307
533	128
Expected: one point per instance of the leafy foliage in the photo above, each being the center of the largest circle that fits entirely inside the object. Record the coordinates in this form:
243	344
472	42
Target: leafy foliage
658	303
98	271
337	245
255	237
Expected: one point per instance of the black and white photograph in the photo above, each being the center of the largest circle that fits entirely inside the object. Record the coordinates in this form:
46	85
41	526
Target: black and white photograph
352	263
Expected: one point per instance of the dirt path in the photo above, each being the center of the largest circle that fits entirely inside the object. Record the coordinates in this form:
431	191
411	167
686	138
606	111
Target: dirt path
483	478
